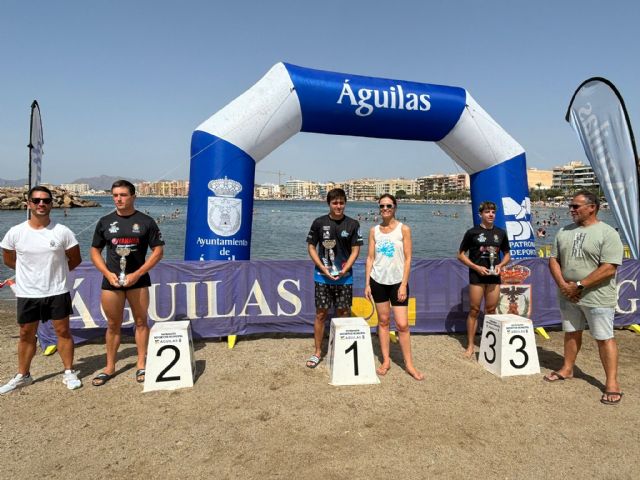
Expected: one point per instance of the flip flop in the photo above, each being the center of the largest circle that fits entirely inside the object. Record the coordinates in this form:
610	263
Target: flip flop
550	378
101	379
140	374
313	361
605	398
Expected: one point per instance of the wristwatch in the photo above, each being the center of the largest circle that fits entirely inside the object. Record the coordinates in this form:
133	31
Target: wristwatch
580	285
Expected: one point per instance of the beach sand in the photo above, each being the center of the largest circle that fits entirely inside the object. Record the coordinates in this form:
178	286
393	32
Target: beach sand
257	412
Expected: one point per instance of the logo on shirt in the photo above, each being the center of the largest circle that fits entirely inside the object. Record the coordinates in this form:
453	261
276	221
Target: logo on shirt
578	241
482	238
125	241
224	214
135	228
326	232
52	244
495	238
344	234
386	248
113	227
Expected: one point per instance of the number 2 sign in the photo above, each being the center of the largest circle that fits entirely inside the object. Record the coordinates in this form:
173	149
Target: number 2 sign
170	360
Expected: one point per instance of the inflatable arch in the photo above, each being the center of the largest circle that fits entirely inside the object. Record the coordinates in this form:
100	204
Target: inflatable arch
290	99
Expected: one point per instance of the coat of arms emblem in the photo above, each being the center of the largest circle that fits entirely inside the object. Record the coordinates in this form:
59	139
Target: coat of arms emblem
224	214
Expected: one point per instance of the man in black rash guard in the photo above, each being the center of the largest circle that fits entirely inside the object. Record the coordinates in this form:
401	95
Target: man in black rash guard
484	244
127	234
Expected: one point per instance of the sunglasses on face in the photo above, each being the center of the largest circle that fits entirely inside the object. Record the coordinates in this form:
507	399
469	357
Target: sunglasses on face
387	206
36	201
575	206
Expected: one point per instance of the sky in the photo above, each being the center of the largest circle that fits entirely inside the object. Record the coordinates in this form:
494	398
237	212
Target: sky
123	84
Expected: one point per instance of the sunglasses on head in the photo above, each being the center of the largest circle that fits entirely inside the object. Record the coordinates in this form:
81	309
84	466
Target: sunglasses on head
36	201
387	206
575	206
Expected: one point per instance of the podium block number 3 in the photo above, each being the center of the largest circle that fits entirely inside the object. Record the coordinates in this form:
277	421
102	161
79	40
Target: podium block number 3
176	356
354	348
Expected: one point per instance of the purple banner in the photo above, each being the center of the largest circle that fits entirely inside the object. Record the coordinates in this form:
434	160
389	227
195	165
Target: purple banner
244	297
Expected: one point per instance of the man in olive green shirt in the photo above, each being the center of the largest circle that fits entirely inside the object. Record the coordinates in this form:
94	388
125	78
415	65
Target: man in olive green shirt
583	263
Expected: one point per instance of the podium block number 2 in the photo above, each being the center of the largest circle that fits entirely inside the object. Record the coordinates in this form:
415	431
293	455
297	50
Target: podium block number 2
176	356
354	348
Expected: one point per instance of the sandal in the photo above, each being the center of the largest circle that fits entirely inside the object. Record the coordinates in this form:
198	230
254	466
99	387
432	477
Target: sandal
313	361
606	398
101	379
140	374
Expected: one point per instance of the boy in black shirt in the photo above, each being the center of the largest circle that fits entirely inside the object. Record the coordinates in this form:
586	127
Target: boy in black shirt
484	244
127	234
333	244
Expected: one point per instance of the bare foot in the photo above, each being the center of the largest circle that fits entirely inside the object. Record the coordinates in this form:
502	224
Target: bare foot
415	373
469	354
383	369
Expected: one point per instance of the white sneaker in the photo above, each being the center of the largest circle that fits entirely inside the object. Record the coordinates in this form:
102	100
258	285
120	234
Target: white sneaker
71	380
15	383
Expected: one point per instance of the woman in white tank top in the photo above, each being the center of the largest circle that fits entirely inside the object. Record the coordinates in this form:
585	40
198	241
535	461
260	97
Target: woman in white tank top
387	281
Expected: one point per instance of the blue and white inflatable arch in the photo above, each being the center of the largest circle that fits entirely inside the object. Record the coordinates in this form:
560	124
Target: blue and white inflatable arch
291	99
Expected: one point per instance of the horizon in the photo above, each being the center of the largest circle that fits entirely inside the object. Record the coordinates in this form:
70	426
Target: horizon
529	167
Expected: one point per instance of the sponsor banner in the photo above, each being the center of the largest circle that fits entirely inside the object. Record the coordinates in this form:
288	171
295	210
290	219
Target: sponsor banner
599	117
346	104
36	143
223	298
220	200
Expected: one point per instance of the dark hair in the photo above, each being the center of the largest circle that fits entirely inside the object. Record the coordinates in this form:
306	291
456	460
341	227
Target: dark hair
125	184
39	188
336	194
487	205
389	196
591	197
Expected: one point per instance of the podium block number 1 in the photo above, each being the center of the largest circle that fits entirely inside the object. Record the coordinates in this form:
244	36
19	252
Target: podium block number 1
351	353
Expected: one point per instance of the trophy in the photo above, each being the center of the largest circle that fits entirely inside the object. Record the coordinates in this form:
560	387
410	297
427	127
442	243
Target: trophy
493	253
122	252
330	263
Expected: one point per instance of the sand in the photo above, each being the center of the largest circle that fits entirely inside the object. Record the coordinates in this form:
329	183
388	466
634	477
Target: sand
257	412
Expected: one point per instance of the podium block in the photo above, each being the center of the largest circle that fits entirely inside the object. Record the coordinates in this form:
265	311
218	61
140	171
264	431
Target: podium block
508	346
351	353
170	359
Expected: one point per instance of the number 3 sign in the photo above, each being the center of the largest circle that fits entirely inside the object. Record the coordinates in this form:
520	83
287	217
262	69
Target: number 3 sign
170	360
508	346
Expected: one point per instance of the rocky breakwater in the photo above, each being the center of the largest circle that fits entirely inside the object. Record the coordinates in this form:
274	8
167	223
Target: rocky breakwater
16	199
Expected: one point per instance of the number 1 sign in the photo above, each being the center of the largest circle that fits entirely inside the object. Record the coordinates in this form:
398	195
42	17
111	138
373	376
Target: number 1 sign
508	346
351	353
170	360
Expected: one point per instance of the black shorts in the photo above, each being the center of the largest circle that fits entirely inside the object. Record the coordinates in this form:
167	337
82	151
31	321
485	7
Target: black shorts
339	296
384	293
476	279
55	307
144	281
